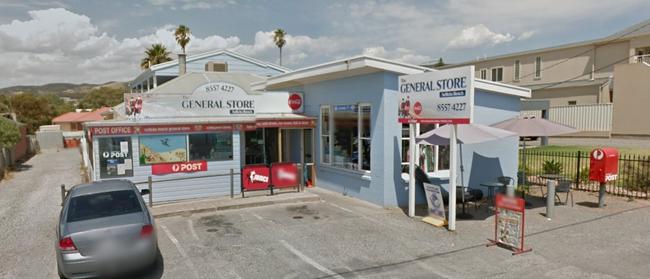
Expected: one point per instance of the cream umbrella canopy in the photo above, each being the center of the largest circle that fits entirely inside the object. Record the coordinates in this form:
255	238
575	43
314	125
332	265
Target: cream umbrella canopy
533	127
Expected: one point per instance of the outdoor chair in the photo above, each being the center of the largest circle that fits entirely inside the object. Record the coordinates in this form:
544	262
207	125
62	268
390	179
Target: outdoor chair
564	186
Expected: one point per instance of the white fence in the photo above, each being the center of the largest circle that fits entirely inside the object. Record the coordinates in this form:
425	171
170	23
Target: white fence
585	118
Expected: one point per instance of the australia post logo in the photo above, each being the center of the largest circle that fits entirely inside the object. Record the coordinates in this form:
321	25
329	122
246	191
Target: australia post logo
598	154
255	177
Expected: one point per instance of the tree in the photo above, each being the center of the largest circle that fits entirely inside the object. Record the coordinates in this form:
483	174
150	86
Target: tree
155	54
102	97
182	35
9	133
440	63
32	110
278	39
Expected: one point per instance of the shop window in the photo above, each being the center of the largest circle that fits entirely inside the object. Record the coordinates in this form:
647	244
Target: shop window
163	149
325	134
211	147
432	158
115	157
497	74
573	103
346	136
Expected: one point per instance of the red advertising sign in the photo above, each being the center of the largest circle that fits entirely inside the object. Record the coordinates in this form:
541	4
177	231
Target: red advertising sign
284	175
158	129
166	168
256	177
509	223
603	165
295	101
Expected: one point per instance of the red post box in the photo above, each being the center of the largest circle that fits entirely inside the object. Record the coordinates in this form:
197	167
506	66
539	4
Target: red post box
603	164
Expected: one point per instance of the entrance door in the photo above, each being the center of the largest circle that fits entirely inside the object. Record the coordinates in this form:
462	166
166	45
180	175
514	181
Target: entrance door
297	147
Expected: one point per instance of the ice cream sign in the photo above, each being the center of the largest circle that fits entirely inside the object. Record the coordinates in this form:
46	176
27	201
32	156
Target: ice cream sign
437	97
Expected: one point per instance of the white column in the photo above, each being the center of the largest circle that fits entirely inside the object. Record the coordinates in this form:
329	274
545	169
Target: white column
452	178
155	81
411	169
148	84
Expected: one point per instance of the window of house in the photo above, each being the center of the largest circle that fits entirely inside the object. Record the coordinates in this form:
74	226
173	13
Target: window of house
483	74
538	67
325	134
573	103
115	157
497	74
163	149
346	136
211	147
517	70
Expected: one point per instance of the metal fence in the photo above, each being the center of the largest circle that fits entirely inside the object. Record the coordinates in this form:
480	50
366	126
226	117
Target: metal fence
633	177
587	118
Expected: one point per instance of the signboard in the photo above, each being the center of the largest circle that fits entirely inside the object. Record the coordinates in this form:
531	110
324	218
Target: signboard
158	129
436	205
295	101
603	165
255	177
509	221
284	175
186	167
437	97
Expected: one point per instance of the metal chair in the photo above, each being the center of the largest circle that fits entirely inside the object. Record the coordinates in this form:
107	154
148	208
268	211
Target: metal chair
564	186
505	180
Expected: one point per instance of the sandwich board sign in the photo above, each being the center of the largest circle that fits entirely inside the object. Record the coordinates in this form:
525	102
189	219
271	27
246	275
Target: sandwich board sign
436	205
509	221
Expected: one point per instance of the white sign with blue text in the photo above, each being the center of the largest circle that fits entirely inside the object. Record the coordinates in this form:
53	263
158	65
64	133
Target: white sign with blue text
437	97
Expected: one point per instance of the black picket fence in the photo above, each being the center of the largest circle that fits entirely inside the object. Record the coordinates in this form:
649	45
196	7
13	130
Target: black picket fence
633	171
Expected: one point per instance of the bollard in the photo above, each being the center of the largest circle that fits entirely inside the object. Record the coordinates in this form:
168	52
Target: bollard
232	183
149	184
63	192
550	199
601	195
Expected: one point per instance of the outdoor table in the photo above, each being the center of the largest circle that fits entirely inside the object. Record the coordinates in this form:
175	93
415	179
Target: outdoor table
491	189
551	181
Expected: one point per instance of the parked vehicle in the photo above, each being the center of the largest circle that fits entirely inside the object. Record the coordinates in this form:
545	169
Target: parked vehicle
105	229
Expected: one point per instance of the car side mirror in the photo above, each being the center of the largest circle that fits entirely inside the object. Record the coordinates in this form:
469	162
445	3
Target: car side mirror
144	192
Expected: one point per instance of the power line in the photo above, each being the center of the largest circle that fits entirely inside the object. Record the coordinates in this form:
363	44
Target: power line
589	50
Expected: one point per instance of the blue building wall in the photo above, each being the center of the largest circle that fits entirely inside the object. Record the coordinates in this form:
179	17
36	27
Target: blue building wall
235	65
384	185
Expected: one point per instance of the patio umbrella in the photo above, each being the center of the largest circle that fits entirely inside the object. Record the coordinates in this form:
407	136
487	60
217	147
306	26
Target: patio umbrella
533	127
467	134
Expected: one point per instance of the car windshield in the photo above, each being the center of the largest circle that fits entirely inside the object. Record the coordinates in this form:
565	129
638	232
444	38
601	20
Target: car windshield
105	204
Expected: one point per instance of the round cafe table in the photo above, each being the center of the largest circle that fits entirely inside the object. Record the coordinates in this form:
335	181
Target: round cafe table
491	190
551	181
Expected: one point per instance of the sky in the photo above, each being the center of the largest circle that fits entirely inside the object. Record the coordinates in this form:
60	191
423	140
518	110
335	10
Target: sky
85	41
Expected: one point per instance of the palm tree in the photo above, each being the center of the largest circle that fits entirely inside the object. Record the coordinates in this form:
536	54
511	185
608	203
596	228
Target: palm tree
278	39
155	54
182	35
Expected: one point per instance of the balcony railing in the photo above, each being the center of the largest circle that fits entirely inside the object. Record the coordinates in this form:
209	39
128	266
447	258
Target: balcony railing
642	59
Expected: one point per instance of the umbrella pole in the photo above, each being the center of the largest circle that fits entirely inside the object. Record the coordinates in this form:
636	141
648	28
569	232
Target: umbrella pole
462	215
411	170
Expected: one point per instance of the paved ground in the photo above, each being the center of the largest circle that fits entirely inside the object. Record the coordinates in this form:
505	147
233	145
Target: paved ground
29	208
345	238
338	237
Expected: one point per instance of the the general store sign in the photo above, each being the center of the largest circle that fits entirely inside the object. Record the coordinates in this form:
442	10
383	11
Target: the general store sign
444	96
180	167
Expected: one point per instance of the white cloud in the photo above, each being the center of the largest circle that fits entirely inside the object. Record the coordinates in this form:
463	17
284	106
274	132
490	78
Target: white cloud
192	4
399	54
526	35
478	35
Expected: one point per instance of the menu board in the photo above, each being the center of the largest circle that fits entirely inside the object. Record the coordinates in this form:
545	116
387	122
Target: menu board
509	221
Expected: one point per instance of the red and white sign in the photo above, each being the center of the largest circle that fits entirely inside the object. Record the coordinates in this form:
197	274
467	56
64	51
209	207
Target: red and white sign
284	175
158	129
256	177
295	101
166	168
603	165
509	223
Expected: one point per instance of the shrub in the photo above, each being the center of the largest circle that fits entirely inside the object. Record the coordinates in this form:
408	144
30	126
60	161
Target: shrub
552	167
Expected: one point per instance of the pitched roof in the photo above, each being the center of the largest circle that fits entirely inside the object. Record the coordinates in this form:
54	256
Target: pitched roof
81	116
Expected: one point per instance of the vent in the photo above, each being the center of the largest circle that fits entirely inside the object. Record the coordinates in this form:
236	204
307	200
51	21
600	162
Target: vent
216	67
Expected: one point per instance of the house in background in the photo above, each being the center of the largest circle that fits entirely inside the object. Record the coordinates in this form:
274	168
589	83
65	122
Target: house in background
72	121
212	61
570	74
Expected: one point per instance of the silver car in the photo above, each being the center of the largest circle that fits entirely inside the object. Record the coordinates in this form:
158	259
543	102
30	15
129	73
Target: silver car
105	229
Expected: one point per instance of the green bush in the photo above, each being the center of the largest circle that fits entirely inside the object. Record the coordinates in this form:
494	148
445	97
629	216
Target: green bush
552	167
9	133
